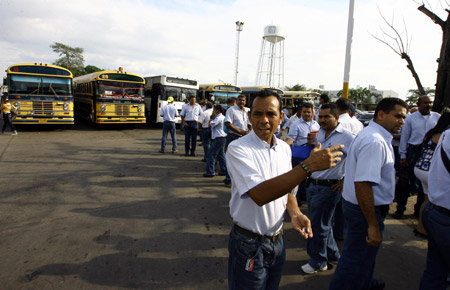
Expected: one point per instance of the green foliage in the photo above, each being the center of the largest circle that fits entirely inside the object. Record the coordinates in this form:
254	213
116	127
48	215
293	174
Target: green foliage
70	58
412	99
91	68
296	87
361	96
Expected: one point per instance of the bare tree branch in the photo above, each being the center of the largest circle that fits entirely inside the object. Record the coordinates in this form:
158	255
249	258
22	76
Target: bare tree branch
385	42
436	19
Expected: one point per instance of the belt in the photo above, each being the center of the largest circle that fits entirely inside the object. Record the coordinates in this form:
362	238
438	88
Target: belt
252	235
218	138
441	209
324	182
414	147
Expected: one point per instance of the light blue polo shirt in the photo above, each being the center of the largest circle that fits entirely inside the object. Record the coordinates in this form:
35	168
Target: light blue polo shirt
299	130
371	159
438	177
339	136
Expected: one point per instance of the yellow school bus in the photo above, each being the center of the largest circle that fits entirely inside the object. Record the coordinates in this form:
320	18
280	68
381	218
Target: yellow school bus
108	97
42	93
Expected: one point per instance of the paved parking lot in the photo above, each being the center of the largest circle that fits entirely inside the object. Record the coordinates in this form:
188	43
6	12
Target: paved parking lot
100	208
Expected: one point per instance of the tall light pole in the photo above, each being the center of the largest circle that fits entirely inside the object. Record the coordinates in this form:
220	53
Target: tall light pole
239	27
348	50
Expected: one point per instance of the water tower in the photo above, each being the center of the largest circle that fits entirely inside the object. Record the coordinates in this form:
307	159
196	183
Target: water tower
271	59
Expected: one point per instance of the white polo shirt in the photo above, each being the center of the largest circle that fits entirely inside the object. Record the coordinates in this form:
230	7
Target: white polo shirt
237	118
371	159
353	125
415	127
217	127
251	161
205	117
191	113
169	112
438	177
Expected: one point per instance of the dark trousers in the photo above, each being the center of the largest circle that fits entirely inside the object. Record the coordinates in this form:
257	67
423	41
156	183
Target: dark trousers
7	121
190	137
414	186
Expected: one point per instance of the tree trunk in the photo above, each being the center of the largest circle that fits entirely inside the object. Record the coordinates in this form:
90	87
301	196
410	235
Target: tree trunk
410	66
442	95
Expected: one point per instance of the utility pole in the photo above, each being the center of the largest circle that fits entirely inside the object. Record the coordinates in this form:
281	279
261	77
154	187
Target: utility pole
348	50
239	27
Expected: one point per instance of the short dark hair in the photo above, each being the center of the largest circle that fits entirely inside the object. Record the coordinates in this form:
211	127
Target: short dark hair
333	108
218	108
343	104
325	98
264	94
307	105
231	100
241	96
388	104
209	105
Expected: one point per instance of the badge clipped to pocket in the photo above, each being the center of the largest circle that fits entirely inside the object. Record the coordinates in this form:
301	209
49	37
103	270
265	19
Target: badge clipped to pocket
249	265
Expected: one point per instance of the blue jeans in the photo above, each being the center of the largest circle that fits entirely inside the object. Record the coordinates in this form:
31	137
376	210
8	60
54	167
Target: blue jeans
437	270
322	247
216	151
190	137
266	256
169	127
230	138
206	139
355	268
339	221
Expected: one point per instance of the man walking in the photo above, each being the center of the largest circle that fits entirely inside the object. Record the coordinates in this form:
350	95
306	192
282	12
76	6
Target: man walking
353	125
263	189
416	126
169	113
368	190
324	193
190	114
206	129
216	151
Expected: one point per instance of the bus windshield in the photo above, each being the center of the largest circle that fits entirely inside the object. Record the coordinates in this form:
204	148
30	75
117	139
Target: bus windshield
120	89
179	94
40	85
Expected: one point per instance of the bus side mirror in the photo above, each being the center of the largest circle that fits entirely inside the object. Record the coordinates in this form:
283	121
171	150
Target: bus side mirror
212	98
4	82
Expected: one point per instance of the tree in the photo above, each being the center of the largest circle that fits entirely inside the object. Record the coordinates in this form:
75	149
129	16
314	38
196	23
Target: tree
296	87
395	41
91	68
442	97
415	94
70	58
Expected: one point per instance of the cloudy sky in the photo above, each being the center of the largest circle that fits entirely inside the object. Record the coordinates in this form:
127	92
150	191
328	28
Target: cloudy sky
197	38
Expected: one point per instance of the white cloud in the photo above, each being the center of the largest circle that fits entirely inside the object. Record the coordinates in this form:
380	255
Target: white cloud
196	39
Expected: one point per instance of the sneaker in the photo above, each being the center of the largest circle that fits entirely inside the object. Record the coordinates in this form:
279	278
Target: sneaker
161	151
174	151
13	133
307	269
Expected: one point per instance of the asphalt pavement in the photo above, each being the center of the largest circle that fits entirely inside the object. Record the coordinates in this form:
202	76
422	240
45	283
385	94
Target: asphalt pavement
100	208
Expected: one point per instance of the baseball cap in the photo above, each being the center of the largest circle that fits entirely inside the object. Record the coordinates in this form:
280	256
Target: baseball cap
170	99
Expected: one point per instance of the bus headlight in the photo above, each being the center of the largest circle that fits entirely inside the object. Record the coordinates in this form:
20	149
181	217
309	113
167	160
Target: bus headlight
17	105
140	109
66	106
103	108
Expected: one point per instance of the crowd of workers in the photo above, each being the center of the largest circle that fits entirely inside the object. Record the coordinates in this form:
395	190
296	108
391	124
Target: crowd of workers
347	173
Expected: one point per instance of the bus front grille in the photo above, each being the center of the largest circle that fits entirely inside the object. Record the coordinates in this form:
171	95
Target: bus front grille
43	108
123	110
